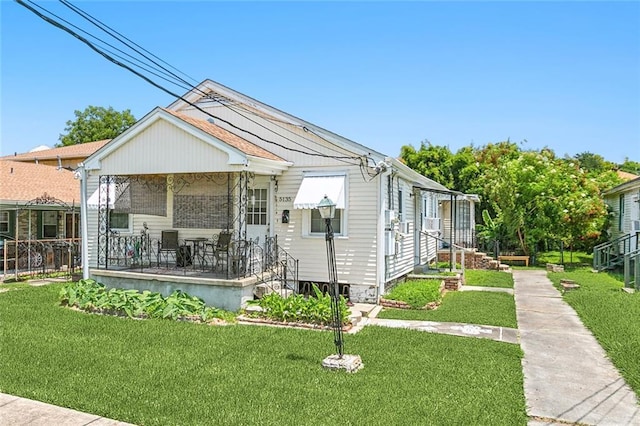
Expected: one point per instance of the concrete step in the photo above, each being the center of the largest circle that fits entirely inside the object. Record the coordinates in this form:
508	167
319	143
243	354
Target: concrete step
269	287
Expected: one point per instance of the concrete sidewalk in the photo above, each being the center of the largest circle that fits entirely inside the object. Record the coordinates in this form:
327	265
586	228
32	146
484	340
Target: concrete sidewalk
16	411
567	375
500	334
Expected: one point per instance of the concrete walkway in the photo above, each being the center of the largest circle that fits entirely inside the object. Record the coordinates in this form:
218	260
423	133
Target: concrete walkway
16	411
501	334
567	375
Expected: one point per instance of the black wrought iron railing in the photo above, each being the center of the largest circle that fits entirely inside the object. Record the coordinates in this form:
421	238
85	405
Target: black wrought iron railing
282	266
40	257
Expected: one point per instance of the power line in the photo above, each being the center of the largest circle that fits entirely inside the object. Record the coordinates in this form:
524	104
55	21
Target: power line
110	58
120	38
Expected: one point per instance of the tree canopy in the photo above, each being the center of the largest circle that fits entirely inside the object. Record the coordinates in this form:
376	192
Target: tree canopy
94	124
527	197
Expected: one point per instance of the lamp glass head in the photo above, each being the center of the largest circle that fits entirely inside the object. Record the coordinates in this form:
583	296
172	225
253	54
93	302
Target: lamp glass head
327	208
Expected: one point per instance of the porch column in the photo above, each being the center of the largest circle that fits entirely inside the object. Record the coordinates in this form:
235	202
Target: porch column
82	174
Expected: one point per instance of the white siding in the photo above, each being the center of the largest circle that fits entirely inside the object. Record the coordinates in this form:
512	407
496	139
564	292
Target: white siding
355	252
631	211
402	262
164	148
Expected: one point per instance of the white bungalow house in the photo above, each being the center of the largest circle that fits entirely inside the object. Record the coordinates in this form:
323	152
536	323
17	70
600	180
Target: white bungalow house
624	202
623	247
217	162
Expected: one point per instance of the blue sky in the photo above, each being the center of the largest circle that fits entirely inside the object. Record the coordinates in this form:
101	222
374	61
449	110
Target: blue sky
565	75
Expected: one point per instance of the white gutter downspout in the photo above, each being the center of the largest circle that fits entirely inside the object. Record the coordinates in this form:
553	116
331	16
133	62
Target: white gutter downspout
381	243
84	230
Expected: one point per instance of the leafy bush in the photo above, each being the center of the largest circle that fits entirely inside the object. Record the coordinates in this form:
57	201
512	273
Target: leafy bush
445	265
297	308
417	293
91	296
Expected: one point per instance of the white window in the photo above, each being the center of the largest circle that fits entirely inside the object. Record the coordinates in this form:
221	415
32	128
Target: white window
4	221
257	208
311	191
49	224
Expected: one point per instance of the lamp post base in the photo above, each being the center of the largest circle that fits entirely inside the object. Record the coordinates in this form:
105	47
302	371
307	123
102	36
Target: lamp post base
350	363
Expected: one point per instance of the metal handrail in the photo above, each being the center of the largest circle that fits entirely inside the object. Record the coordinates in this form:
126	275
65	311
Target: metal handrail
611	253
452	252
632	269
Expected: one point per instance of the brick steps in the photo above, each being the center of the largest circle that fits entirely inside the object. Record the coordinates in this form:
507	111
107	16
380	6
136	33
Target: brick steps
475	260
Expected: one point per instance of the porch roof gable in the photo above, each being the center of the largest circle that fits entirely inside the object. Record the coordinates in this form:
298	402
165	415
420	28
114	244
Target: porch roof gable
240	151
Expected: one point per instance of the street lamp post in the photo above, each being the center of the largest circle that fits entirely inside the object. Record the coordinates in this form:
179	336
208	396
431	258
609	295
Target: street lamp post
350	363
327	212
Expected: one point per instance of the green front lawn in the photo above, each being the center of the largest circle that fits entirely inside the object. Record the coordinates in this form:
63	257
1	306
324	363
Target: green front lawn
484	278
473	307
158	372
570	258
611	315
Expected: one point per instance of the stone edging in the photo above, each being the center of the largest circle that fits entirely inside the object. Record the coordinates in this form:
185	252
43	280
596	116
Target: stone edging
308	326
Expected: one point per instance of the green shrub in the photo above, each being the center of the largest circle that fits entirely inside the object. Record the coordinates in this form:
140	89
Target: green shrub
91	296
297	308
416	293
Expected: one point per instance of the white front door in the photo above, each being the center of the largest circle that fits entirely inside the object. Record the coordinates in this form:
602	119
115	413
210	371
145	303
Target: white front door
258	214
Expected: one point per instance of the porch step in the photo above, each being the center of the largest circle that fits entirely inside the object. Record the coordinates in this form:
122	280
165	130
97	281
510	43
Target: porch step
269	287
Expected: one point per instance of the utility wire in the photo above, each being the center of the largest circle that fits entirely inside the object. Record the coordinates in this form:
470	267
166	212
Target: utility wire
155	84
118	36
110	31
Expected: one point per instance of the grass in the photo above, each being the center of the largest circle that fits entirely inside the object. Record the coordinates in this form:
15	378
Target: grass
417	293
473	307
611	315
155	372
570	258
488	278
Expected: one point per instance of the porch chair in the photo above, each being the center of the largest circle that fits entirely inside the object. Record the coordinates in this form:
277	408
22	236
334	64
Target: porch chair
221	249
168	246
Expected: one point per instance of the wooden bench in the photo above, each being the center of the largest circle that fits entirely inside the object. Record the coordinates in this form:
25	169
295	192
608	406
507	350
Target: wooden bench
525	259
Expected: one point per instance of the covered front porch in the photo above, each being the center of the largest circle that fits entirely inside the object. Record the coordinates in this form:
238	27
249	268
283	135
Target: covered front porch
205	233
176	199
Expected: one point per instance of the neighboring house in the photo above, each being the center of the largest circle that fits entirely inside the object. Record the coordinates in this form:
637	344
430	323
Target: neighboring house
463	215
43	197
40	198
259	173
67	157
622	249
623	200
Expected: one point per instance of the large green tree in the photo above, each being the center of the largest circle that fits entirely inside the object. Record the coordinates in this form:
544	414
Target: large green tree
529	196
432	161
630	166
94	124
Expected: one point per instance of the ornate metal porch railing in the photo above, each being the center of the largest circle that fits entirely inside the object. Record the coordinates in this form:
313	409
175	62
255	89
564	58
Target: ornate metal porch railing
130	251
281	264
41	257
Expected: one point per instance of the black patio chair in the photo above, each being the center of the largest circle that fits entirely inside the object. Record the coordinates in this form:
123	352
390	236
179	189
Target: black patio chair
221	250
168	246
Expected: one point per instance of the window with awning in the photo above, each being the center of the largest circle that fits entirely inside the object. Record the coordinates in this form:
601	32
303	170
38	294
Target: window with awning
314	188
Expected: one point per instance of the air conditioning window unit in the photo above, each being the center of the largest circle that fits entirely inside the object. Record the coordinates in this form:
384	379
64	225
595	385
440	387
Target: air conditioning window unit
389	218
390	243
